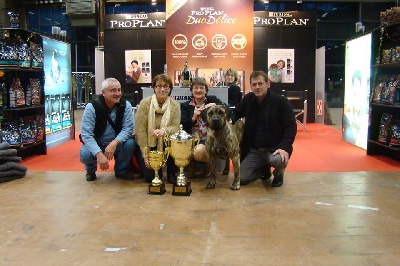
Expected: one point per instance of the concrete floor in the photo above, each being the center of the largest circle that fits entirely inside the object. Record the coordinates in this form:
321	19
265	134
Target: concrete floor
57	218
338	218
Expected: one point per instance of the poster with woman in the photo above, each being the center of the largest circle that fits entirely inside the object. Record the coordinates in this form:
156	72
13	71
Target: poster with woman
138	66
357	91
281	65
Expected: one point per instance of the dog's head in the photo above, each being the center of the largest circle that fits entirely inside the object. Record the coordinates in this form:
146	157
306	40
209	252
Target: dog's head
217	116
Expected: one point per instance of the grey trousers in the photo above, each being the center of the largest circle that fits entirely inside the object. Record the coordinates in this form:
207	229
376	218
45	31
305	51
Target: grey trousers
257	163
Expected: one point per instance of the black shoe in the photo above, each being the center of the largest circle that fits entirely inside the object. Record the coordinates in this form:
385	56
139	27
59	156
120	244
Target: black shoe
171	178
266	175
278	181
125	176
91	177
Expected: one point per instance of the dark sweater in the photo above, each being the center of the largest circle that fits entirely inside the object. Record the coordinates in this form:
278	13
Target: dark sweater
187	112
234	95
279	122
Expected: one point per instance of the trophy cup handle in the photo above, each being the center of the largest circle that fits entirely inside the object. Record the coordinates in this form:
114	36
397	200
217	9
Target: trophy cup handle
166	154
196	140
167	140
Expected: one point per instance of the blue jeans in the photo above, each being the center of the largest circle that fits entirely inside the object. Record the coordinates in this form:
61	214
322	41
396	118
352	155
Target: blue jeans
123	157
256	164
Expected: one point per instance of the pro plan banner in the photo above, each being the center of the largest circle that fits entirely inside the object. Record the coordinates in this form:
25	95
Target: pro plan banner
284	19
211	36
134	21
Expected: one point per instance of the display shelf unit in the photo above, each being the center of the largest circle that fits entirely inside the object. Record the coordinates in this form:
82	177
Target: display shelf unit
374	147
388	39
13	39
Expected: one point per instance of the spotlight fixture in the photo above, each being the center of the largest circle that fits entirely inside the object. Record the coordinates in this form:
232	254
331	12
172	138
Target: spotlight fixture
299	2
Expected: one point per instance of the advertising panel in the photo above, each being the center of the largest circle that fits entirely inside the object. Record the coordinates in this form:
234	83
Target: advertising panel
357	91
281	65
138	66
211	36
57	88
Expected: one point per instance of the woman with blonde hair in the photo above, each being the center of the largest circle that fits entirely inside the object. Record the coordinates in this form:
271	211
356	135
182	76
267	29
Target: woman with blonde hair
234	97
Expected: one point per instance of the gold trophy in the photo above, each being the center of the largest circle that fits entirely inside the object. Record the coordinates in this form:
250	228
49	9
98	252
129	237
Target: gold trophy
157	159
181	146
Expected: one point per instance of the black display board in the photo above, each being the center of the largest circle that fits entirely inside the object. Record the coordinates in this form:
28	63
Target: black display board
288	30
272	30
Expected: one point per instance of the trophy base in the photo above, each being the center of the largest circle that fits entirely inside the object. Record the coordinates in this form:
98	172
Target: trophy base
157	190
182	190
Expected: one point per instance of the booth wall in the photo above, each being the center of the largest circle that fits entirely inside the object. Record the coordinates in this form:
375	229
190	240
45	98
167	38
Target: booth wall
301	39
115	44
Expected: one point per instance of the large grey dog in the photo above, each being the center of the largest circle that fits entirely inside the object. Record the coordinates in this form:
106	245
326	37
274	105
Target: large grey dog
223	140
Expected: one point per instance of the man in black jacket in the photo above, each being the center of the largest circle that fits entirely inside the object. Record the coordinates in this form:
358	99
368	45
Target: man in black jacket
269	133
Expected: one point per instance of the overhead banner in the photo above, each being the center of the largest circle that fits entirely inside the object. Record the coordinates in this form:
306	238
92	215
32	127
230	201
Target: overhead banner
285	19
134	21
211	36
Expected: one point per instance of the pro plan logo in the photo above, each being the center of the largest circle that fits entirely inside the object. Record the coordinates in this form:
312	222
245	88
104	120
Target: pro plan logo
179	42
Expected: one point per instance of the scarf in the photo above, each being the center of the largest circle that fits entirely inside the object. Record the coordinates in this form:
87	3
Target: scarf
200	127
165	120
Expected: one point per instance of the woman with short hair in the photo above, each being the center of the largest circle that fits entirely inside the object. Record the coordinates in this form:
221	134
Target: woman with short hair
193	119
157	115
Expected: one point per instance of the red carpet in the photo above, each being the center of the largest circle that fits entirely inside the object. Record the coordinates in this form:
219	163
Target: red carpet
319	149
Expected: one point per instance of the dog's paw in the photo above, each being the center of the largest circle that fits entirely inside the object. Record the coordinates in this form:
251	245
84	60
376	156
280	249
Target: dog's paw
210	185
235	186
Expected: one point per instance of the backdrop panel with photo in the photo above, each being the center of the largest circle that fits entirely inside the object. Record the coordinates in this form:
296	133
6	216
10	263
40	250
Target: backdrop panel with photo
281	63
143	66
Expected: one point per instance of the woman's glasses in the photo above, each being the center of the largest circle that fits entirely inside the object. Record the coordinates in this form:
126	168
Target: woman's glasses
165	87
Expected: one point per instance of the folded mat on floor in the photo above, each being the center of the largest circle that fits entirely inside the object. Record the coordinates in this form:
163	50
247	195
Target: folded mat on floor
10	168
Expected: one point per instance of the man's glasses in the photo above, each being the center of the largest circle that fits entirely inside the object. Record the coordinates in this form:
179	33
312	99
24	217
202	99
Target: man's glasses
115	91
159	86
